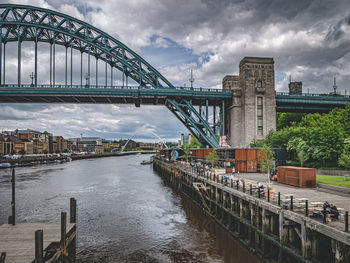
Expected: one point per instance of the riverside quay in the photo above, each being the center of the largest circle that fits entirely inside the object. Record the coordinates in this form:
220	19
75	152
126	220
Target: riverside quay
271	230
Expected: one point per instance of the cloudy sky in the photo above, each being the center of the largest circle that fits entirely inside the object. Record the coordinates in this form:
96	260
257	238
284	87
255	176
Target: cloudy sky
309	40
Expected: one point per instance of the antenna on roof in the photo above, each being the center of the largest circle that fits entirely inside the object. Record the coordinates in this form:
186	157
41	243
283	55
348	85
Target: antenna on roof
335	84
191	79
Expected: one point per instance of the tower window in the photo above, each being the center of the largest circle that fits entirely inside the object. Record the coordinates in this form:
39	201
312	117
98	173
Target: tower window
260	114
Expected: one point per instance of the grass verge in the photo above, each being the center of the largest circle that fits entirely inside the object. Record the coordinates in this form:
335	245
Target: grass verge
333	180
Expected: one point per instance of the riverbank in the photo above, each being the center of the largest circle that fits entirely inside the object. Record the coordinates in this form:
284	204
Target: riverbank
274	229
53	159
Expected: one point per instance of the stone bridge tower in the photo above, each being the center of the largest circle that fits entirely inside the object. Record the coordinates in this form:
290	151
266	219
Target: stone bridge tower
253	111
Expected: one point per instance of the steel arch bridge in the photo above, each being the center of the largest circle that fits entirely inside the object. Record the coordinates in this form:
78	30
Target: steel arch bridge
20	23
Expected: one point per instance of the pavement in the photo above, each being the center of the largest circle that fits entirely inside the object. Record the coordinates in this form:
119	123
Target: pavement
312	194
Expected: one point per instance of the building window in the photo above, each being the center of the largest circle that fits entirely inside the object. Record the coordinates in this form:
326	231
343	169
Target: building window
260	115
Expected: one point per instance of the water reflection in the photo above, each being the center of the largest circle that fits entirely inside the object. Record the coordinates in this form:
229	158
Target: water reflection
125	212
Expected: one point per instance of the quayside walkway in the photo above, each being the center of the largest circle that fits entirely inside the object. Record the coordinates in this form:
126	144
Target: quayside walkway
277	225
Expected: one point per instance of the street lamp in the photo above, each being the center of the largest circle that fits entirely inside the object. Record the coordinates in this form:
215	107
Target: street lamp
32	76
87	77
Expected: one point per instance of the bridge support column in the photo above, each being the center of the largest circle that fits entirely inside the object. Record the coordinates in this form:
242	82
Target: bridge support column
106	73
4	66
252	113
0	57
96	71
19	57
54	63
81	68
71	64
50	63
36	61
112	76
88	73
66	69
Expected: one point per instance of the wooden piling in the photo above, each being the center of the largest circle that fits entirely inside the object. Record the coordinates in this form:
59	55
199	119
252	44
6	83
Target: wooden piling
39	246
2	257
12	218
63	233
73	210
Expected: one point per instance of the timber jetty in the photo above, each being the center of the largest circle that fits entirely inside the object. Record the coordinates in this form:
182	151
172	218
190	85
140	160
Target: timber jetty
273	232
38	242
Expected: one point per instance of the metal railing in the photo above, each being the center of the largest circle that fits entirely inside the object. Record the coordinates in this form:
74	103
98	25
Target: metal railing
113	88
322	214
312	95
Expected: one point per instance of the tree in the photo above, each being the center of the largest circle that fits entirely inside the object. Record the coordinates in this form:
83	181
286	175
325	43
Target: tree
22	152
66	150
194	143
266	158
301	148
344	159
45	151
286	119
107	150
187	153
13	152
213	157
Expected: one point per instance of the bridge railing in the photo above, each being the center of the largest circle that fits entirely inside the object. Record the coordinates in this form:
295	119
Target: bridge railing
15	86
312	95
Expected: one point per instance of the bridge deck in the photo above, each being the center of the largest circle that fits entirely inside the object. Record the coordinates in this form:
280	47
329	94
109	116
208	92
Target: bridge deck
18	241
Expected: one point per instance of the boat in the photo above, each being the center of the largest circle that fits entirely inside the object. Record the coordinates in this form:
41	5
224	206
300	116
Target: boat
144	162
5	165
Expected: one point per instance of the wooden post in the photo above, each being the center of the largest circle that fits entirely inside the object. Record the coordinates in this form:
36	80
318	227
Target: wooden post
291	203
283	233
39	246
12	218
73	219
305	243
306	208
73	210
279	198
63	232
346	221
2	257
251	189
268	195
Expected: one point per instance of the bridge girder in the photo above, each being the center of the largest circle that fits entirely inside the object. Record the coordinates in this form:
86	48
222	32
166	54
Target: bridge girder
20	23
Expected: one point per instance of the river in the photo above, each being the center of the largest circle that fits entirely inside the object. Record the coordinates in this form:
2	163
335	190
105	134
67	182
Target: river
125	212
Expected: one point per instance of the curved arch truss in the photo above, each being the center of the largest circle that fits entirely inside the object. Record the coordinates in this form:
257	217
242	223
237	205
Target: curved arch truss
20	23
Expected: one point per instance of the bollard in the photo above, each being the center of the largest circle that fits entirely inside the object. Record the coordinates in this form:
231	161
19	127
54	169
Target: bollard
291	203
306	208
279	198
346	221
251	189
243	187
324	214
268	195
39	247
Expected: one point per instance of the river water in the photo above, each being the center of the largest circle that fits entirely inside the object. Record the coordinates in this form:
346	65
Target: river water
125	212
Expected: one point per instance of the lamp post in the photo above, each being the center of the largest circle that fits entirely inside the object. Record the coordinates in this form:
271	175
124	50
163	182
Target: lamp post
32	76
87	78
